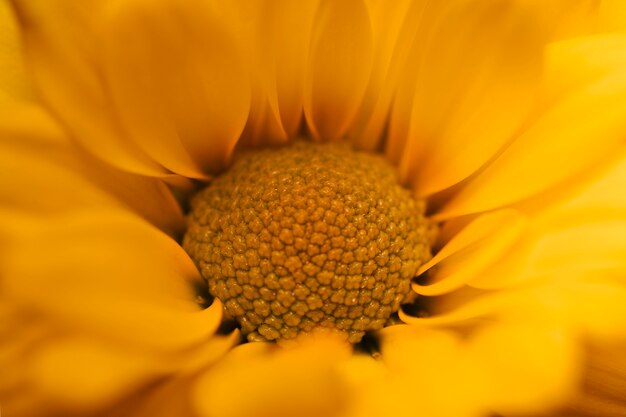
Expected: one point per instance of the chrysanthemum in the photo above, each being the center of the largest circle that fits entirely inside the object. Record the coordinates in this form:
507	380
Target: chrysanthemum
333	159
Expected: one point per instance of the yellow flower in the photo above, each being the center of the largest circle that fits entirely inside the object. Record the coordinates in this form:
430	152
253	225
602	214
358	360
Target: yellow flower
506	116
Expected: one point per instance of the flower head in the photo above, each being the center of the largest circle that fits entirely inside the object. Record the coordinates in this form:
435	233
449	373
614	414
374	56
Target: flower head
500	122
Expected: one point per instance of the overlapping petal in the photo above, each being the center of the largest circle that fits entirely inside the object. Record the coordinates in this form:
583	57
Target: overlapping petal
154	89
603	393
491	371
258	379
394	26
88	278
612	17
60	46
43	174
339	67
13	81
570	137
467	87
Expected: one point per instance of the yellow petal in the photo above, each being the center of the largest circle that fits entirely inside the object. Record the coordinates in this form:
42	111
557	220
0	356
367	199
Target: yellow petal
167	399
475	77
432	363
62	56
481	228
41	173
339	67
596	197
108	273
82	374
394	25
259	380
19	333
177	80
569	138
294	22
593	305
560	254
28	121
575	62
575	18
474	249
530	368
612	16
259	29
582	233
13	79
604	391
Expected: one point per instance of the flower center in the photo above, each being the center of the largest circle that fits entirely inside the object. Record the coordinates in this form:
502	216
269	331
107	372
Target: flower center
305	237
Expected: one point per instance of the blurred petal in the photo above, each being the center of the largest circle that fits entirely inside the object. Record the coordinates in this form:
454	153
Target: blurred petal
149	87
89	260
498	368
477	230
28	121
584	306
294	22
570	137
258	28
431	363
501	230
515	357
85	374
604	391
167	399
394	25
177	81
43	174
339	67
575	62
257	379
62	54
13	79
471	89
578	235
560	254
612	16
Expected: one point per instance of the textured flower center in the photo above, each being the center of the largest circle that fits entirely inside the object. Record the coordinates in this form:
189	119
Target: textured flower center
305	237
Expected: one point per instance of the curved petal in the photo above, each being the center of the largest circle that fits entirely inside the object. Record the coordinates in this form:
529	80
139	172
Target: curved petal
513	357
579	235
339	67
604	391
128	280
259	28
13	80
394	26
150	87
294	22
501	230
299	381
43	174
167	399
177	80
475	76
575	62
559	254
82	374
612	16
570	137
479	229
62	55
584	306
432	362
